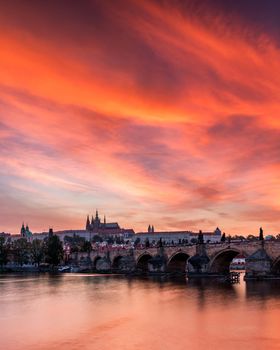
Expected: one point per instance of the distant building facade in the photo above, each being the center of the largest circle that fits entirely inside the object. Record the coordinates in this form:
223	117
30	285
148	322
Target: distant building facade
177	236
238	262
93	228
106	229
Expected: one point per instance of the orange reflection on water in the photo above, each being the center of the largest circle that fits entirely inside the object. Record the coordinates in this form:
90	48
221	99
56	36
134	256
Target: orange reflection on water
97	312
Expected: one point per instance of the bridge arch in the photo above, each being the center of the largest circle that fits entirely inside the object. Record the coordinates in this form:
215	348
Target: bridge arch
177	262
143	261
220	263
95	261
116	262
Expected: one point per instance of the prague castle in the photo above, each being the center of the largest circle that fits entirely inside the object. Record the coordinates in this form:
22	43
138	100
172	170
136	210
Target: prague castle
95	224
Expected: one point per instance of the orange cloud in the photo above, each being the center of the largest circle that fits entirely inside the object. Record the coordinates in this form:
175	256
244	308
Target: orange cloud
164	113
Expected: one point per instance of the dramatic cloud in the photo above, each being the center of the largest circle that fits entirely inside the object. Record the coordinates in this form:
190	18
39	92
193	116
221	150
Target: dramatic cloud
156	112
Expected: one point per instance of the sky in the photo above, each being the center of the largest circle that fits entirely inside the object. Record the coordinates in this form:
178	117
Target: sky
154	112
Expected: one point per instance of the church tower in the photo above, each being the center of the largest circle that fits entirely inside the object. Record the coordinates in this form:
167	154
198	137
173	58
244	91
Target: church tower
97	220
88	224
22	231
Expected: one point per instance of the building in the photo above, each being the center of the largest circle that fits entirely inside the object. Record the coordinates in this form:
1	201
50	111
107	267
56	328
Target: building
169	237
95	225
106	229
25	232
238	263
175	237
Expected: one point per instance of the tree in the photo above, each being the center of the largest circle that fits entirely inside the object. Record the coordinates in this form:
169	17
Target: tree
251	238
86	247
137	241
147	243
21	249
37	251
97	238
76	242
238	237
54	250
261	234
223	238
110	240
4	250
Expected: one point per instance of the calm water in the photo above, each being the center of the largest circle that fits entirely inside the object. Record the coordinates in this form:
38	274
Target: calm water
109	312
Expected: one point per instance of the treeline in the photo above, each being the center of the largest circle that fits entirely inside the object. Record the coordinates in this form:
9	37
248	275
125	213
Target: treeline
260	237
21	251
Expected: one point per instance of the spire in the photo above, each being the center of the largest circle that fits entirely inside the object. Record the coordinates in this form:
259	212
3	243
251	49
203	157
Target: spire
149	228
261	234
153	229
104	220
92	221
87	223
22	231
96	214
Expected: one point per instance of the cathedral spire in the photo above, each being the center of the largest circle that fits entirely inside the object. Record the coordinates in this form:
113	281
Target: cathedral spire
22	231
87	223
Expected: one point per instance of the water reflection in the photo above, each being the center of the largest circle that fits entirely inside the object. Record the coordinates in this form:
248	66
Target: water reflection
114	312
264	290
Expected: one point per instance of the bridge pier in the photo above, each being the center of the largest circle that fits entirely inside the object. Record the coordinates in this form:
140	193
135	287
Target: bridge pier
198	264
103	265
258	265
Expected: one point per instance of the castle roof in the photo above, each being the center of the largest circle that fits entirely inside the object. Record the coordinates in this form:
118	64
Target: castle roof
111	225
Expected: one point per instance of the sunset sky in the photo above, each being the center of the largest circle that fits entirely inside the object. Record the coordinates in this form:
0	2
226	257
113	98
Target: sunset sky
154	112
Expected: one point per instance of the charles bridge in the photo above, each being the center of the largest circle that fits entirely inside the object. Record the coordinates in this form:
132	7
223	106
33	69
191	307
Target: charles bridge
262	259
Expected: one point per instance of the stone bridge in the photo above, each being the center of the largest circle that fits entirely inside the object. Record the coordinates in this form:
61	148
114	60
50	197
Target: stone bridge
262	258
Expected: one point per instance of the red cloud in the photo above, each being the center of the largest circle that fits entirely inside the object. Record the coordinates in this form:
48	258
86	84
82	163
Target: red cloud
153	109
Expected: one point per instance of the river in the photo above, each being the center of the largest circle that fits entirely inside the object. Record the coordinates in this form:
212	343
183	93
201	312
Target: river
75	311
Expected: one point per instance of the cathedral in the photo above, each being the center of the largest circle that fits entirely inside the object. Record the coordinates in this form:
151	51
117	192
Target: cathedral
95	225
25	232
